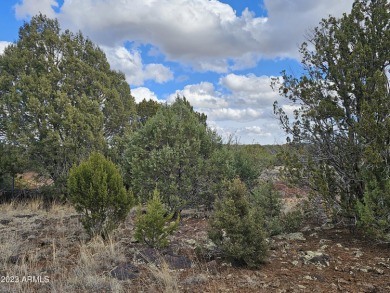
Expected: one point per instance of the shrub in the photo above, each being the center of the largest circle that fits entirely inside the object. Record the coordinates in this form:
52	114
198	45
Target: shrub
269	201
154	226
96	190
237	229
291	221
374	211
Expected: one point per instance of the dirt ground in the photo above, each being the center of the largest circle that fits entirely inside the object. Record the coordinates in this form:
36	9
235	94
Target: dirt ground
48	251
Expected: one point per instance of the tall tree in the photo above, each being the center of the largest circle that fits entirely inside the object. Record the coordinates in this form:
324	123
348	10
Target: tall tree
342	116
173	152
59	99
147	109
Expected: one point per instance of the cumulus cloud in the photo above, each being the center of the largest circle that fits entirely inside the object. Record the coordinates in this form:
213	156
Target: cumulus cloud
30	8
239	115
141	93
201	96
241	107
207	34
250	89
3	45
130	63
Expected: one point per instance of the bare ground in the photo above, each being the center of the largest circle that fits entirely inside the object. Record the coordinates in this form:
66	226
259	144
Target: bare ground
48	251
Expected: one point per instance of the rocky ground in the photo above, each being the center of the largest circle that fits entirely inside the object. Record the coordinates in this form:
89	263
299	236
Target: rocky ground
48	251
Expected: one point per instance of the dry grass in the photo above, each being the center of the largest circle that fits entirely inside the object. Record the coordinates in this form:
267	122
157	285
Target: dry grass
92	271
166	279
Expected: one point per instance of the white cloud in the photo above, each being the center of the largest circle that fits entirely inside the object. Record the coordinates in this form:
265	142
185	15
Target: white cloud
238	115
202	95
241	107
207	34
141	93
30	8
250	89
130	63
3	45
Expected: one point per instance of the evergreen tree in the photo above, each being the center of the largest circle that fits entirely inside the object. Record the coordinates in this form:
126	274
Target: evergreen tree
341	122
96	190
172	152
59	99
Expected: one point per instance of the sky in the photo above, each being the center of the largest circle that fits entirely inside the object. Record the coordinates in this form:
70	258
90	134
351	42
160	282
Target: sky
221	55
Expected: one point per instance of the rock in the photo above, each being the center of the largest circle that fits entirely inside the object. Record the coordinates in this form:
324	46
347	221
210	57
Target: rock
368	288
178	262
125	271
292	236
5	221
175	262
14	259
295	262
310	278
191	242
212	267
316	257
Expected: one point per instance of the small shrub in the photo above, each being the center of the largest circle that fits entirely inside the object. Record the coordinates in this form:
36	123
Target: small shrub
292	221
154	226
374	211
96	190
237	228
269	201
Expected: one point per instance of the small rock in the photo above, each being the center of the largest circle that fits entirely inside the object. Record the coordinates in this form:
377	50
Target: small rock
125	271
316	257
292	236
5	221
275	284
310	278
376	271
342	281
178	262
191	242
324	241
368	288
212	267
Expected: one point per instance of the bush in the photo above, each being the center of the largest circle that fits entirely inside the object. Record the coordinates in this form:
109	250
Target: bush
154	226
96	190
292	221
374	211
237	229
269	201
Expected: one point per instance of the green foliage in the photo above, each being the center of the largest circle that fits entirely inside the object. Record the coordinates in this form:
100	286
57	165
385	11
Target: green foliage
59	100
374	211
154	227
237	228
173	152
146	109
269	202
96	190
291	221
341	122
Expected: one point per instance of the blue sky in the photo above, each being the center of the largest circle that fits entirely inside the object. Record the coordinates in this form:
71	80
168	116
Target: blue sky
220	54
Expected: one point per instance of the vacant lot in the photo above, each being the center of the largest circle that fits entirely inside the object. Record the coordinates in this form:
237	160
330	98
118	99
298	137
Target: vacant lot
48	251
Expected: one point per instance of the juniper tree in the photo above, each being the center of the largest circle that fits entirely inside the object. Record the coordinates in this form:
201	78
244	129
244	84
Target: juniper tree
342	117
